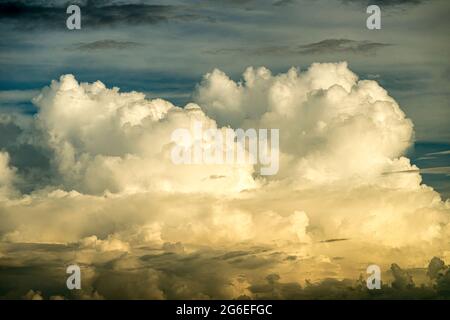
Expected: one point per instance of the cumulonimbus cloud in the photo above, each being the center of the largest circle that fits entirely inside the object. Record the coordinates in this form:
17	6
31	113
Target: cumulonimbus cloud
114	190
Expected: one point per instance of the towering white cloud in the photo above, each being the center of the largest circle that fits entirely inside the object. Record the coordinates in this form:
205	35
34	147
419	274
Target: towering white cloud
333	127
114	191
105	140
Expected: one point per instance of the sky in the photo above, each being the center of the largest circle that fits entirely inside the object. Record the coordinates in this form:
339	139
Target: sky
85	124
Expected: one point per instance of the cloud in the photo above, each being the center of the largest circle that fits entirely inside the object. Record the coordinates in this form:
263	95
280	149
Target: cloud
387	3
142	227
95	14
333	240
26	154
33	295
432	170
15	96
341	46
446	152
183	276
105	45
281	3
317	116
328	46
436	170
78	134
402	279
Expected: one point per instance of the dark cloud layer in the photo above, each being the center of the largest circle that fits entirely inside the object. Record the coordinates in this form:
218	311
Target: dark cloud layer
22	15
160	274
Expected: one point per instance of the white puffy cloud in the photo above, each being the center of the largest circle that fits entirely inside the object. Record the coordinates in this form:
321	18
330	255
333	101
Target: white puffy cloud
105	140
332	126
345	195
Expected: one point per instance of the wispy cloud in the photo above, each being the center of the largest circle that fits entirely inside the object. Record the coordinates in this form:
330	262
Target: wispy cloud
438	153
105	45
386	3
322	47
14	96
334	240
433	170
341	46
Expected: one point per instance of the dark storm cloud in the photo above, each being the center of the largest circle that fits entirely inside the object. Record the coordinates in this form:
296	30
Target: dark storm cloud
26	15
322	47
106	44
